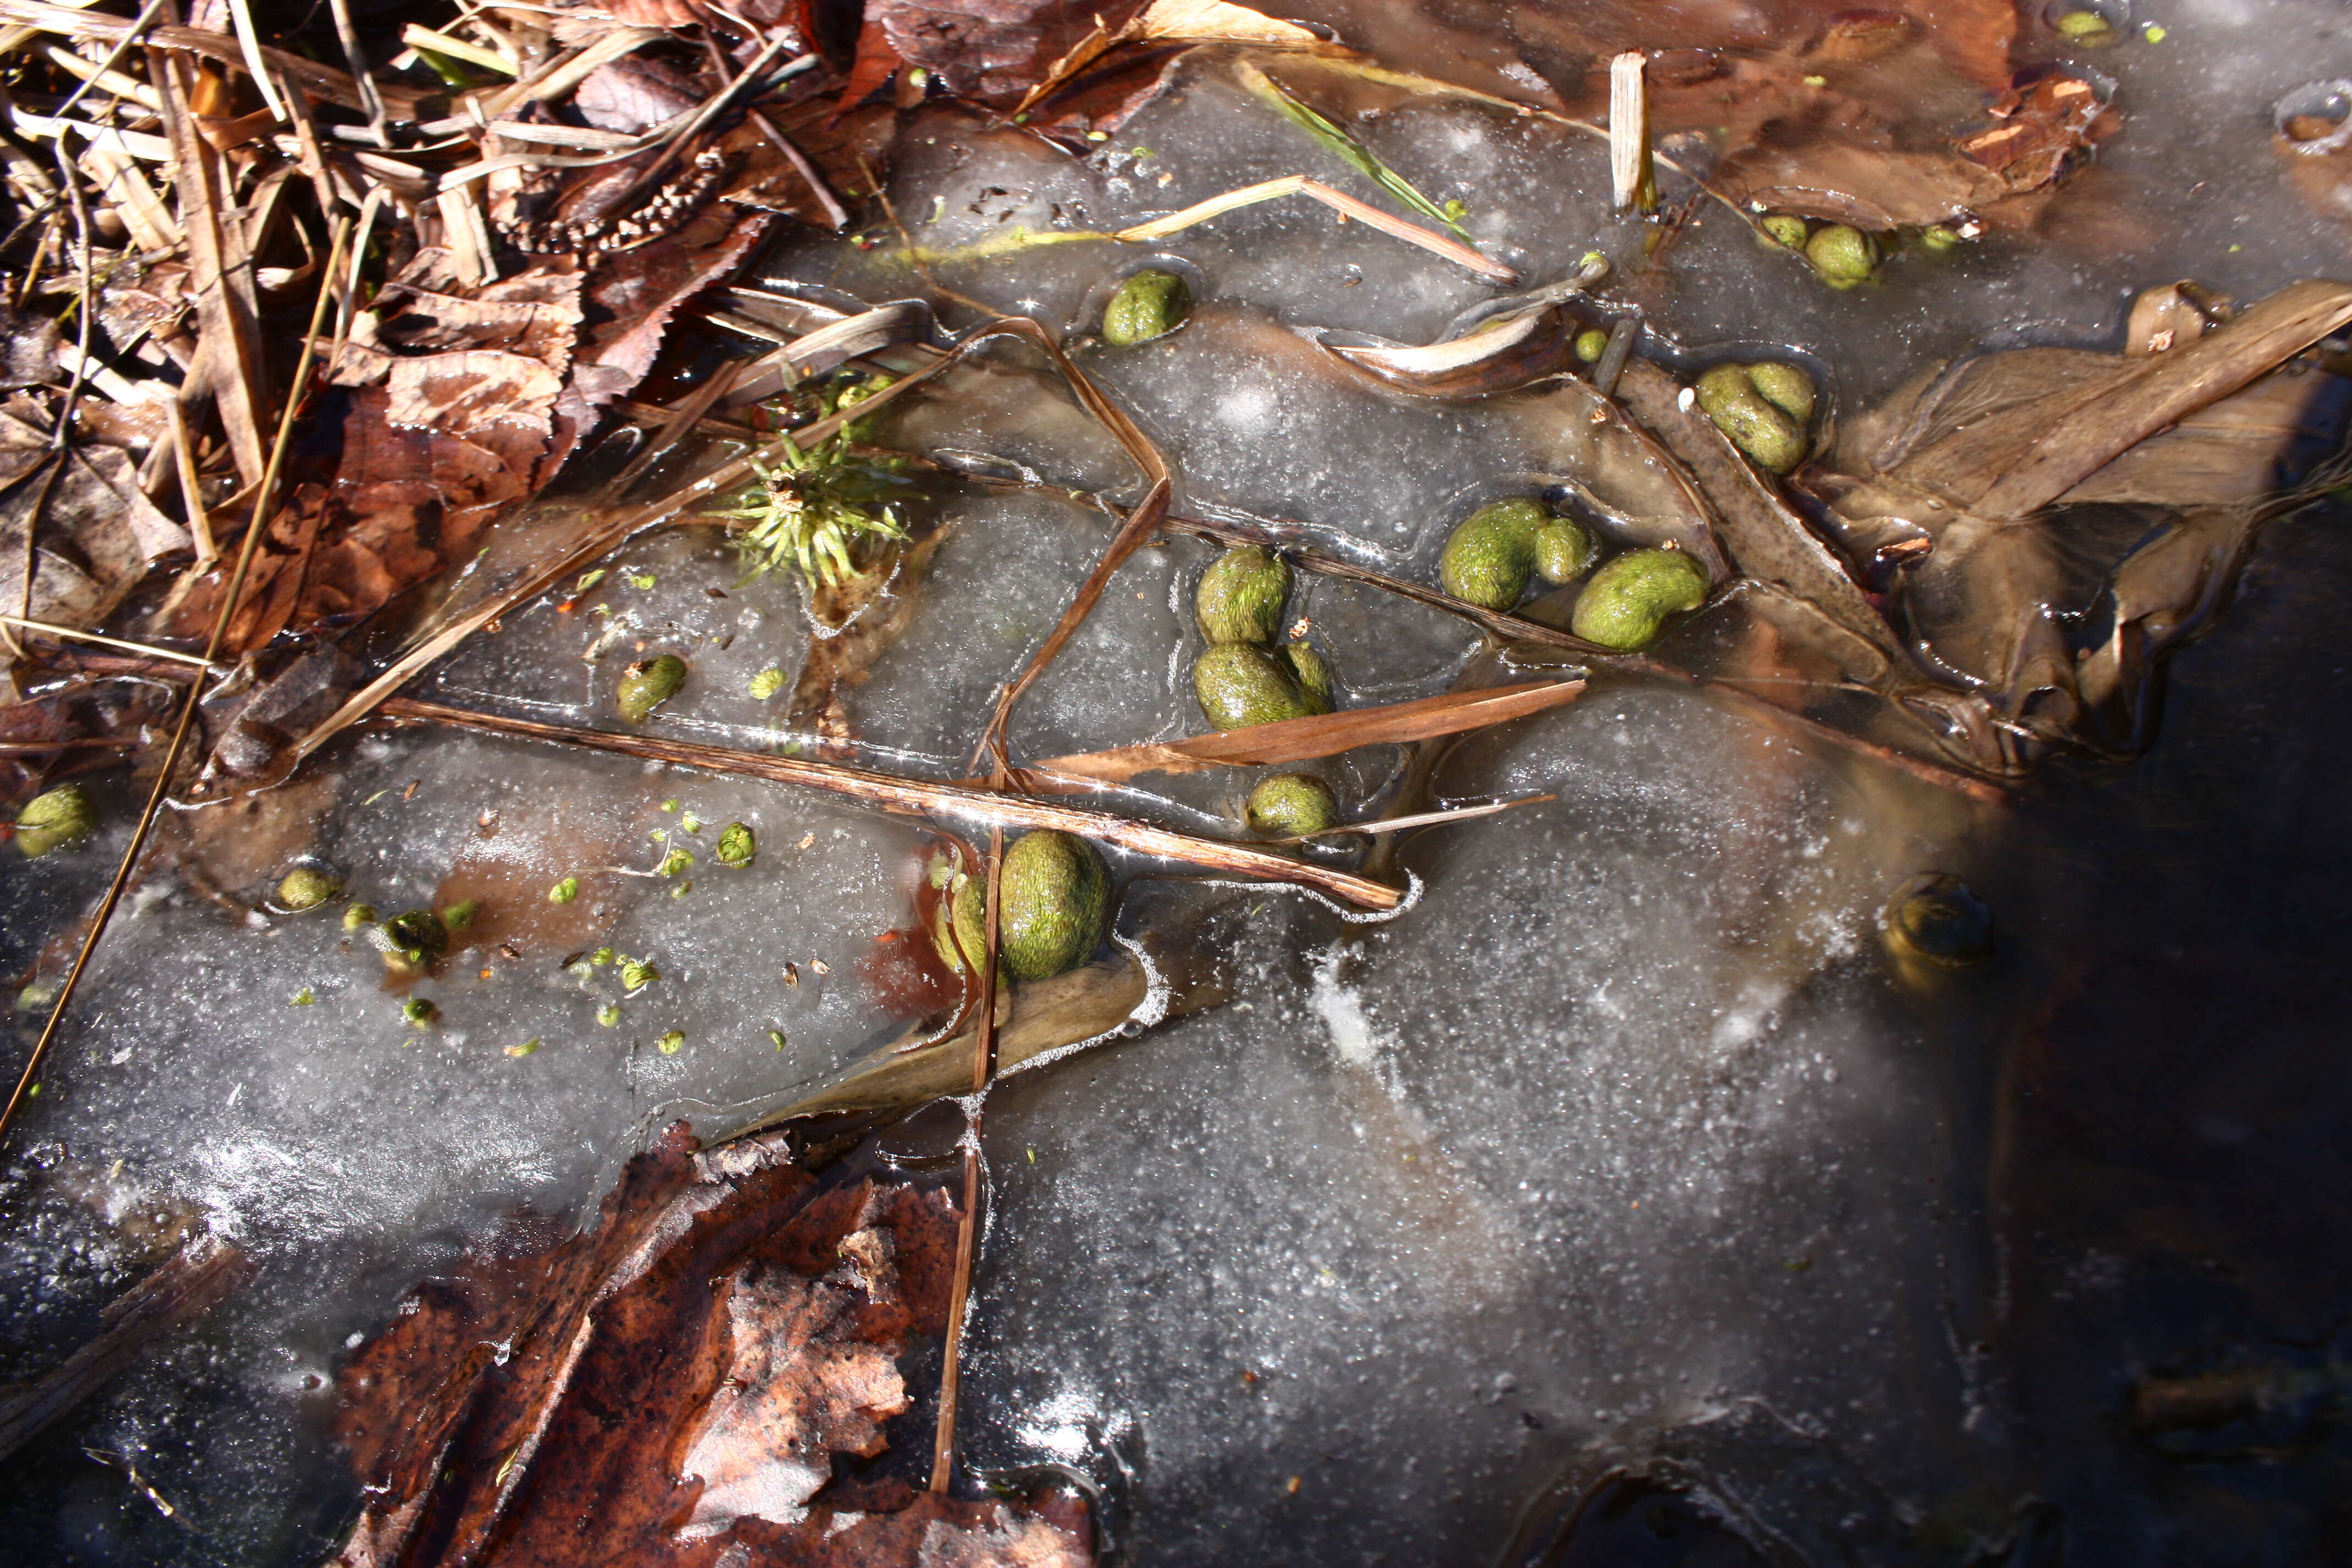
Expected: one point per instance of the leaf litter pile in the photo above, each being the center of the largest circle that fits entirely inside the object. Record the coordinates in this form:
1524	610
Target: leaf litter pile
667	390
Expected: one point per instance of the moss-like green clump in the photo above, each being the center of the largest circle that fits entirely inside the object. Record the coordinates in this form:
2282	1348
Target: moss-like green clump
647	684
1491	554
1785	228
1629	599
1842	253
1757	405
1291	805
736	844
58	818
1148	305
1565	550
1056	894
1312	674
1242	595
306	888
1241	684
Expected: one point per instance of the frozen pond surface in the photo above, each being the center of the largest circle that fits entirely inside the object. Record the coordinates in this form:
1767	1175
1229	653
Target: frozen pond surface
1625	1147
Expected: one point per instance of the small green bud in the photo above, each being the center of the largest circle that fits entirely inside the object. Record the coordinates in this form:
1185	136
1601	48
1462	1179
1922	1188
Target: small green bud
1291	805
1241	684
647	684
359	915
1630	598
1843	255
1590	344
1056	894
670	805
1241	595
609	1013
767	683
1312	675
1491	554
306	888
523	1049
602	956
305	997
735	845
1941	240
682	888
59	818
418	1013
1148	305
460	915
689	823
1565	549
563	892
674	862
777	1036
1786	228
637	973
672	1042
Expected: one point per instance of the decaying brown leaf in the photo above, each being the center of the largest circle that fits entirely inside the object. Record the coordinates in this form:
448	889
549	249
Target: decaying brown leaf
679	1386
97	536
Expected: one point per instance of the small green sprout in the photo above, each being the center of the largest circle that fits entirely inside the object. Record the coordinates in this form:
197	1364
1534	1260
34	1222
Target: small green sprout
816	510
588	580
643	579
636	974
672	1042
674	862
460	915
670	805
609	1013
777	1036
305	997
523	1049
691	823
602	956
359	915
767	683
682	888
563	892
735	845
418	1013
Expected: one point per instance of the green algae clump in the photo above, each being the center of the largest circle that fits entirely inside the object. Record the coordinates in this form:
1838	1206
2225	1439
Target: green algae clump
1630	598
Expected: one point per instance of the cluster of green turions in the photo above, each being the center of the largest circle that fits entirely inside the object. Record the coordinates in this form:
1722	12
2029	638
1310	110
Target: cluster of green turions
1844	255
1495	554
1763	407
1249	674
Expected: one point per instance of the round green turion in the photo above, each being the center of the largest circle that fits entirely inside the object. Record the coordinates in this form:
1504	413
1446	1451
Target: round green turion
55	819
960	920
1148	305
1292	806
1241	684
649	683
1842	253
1785	228
1312	674
306	888
1590	344
735	845
1630	598
413	941
1056	893
2087	28
1565	549
1729	397
1241	595
1491	554
1941	240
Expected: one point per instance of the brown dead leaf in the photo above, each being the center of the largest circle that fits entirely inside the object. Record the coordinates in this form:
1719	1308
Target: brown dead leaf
994	51
1322	735
84	723
672	1387
2039	126
97	534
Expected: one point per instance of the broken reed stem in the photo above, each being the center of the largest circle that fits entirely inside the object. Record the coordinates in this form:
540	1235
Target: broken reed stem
1634	181
917	797
230	594
983	1067
1021	238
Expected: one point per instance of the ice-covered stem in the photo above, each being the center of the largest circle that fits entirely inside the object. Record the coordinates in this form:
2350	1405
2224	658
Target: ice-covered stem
984	1067
921	797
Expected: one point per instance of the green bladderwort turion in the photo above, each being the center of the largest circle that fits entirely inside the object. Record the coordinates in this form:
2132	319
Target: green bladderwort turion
1491	554
1148	305
1242	595
1291	805
1629	599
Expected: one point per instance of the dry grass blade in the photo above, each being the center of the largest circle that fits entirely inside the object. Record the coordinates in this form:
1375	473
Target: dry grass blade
1348	150
920	797
1323	735
1419	819
1632	181
1337	201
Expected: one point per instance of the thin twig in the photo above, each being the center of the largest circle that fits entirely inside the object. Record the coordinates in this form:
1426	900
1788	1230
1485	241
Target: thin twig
46	629
922	797
212	645
983	1069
